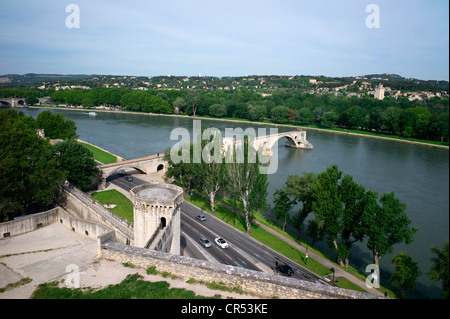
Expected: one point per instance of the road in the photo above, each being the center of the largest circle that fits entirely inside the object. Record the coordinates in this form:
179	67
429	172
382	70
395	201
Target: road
243	250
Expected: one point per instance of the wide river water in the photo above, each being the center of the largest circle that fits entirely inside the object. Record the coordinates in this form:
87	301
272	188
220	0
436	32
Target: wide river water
418	175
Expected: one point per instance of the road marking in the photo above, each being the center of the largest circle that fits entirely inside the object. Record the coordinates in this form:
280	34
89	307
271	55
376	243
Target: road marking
202	251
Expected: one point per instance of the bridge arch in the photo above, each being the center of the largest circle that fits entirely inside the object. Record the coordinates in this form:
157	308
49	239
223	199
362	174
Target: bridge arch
4	103
296	139
146	165
118	168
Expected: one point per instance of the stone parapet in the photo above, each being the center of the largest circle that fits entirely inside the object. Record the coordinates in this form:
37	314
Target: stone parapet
247	281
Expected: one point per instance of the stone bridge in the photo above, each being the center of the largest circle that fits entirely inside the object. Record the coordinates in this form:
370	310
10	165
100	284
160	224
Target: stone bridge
13	102
296	139
147	165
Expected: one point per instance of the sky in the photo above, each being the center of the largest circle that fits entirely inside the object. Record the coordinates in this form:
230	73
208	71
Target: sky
226	38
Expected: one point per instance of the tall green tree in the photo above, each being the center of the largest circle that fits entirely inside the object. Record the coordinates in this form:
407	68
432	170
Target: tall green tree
338	204
299	189
242	171
440	270
56	126
406	272
77	161
279	114
180	171
386	225
283	204
209	173
29	173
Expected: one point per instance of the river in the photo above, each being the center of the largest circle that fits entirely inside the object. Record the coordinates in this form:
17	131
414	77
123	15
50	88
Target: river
418	175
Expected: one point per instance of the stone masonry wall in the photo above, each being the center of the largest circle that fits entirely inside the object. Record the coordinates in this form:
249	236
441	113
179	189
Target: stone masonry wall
249	281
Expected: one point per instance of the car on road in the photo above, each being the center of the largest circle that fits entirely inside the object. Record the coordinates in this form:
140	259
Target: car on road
129	178
285	270
201	218
222	243
205	242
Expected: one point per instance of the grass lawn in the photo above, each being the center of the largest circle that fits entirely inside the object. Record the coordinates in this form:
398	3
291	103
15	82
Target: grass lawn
123	208
132	287
100	155
347	284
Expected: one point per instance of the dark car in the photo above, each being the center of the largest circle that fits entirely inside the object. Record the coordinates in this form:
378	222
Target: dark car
285	270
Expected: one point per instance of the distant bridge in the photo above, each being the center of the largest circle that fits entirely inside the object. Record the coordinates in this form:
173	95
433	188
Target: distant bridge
296	139
147	165
13	102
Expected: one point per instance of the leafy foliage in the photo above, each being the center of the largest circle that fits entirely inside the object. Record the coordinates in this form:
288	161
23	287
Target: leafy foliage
406	272
440	270
77	161
29	173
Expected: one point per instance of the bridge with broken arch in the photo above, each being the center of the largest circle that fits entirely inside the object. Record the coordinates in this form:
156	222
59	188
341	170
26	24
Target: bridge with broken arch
295	139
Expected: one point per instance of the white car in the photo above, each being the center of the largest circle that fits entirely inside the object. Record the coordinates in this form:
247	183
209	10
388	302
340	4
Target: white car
222	243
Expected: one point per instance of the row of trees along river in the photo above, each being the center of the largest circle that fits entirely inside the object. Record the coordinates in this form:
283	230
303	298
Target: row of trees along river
426	119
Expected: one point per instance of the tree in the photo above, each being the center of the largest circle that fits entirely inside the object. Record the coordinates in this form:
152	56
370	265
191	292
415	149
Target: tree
209	172
279	114
183	171
180	104
29	173
55	126
328	119
338	204
315	231
353	117
406	272
327	207
390	119
77	161
440	270
305	116
192	101
257	112
299	188
244	176
283	205
218	110
386	225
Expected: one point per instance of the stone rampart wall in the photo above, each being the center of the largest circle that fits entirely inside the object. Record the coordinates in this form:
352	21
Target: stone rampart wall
86	208
249	281
32	222
28	223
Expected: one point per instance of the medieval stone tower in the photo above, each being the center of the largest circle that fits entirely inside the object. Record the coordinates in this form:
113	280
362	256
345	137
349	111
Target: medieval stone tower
157	216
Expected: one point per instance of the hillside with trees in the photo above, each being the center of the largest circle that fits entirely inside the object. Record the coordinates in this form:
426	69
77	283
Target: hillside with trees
411	108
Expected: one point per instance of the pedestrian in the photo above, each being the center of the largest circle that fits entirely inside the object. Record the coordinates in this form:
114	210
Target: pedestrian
306	258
